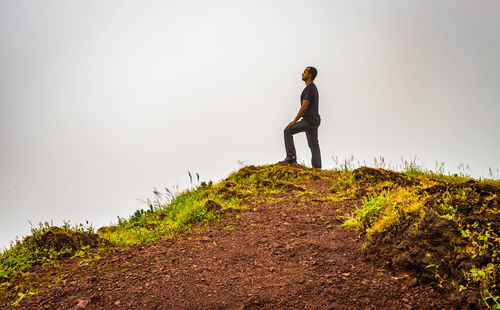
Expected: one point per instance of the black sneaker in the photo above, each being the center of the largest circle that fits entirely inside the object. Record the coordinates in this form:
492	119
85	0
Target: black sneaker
288	160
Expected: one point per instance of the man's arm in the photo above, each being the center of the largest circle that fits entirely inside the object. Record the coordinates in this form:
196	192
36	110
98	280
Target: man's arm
303	108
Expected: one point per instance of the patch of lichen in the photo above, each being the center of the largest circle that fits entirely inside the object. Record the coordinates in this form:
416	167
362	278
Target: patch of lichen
446	230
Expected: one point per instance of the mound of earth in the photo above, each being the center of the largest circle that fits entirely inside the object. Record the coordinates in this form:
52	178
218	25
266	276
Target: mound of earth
453	233
58	239
285	249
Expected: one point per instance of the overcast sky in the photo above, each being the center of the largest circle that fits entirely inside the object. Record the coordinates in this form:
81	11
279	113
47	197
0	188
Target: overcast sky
101	101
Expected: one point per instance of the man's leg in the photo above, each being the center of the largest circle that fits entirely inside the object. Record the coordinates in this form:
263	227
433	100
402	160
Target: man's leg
312	141
300	126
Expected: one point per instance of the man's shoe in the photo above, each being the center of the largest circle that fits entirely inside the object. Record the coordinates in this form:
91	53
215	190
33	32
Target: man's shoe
288	160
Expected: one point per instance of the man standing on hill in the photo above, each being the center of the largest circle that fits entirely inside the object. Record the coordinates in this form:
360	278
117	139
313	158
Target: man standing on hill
309	123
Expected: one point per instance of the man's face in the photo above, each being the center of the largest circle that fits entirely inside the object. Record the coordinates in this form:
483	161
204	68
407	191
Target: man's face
306	74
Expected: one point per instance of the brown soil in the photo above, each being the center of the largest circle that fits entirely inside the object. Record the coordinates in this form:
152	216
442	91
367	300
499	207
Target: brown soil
287	254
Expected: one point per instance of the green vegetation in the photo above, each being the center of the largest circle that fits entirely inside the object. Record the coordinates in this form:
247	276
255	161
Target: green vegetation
444	227
145	226
363	216
46	245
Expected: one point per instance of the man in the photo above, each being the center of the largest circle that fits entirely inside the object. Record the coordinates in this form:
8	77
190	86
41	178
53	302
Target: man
309	123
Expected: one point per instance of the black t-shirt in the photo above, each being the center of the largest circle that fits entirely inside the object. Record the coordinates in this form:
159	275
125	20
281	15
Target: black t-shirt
311	94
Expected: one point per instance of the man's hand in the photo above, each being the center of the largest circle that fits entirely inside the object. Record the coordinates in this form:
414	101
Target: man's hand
303	108
291	124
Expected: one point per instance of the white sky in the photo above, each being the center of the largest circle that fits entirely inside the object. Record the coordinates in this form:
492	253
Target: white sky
101	101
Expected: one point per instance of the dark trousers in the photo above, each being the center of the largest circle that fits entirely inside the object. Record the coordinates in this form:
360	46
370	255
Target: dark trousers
312	140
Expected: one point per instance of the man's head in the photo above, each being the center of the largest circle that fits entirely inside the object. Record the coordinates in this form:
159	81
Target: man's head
309	73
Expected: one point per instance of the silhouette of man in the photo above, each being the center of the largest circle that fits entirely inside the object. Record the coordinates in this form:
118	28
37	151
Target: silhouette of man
309	123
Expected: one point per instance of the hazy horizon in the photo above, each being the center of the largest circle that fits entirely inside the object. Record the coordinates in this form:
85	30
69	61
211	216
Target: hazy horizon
102	101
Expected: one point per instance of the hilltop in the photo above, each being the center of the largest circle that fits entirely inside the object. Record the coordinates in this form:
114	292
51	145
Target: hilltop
276	236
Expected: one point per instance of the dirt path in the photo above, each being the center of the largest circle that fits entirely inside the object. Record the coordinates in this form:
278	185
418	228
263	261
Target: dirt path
288	254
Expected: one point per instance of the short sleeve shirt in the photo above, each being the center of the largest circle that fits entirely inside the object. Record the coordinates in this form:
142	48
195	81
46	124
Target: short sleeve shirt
312	114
